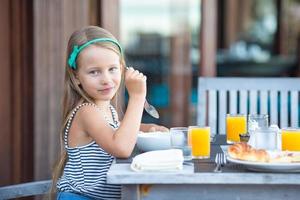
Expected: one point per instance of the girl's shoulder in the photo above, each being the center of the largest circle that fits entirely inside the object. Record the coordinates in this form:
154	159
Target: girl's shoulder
86	109
89	113
91	120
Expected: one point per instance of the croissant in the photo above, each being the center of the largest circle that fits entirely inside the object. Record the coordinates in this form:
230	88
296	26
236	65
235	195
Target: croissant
243	151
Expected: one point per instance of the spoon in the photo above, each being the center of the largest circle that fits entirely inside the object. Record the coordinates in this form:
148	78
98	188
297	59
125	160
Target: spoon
151	110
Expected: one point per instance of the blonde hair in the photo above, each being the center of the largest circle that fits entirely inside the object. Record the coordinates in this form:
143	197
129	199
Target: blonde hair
73	93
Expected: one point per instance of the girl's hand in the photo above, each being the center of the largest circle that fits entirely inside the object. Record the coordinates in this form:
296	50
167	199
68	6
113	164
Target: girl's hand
135	83
153	128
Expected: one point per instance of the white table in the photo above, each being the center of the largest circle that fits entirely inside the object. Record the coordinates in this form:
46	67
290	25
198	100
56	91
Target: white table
233	184
185	184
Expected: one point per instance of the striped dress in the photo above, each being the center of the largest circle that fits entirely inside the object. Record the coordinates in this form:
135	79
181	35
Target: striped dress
87	166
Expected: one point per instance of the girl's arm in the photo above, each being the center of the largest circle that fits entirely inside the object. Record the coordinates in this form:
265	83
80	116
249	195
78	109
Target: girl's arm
120	142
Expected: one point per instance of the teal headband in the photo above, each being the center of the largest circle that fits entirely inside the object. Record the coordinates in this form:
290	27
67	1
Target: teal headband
77	49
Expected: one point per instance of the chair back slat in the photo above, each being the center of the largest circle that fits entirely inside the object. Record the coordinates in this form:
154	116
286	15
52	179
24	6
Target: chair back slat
233	102
212	110
273	107
222	111
243	102
201	119
294	109
263	109
283	108
253	101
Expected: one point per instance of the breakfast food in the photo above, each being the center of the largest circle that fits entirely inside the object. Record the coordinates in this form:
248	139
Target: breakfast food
243	151
296	157
285	157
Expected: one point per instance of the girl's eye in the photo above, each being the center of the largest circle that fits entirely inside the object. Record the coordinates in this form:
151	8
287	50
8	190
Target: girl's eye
94	72
113	69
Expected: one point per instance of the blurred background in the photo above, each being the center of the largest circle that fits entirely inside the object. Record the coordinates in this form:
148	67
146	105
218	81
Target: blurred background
173	42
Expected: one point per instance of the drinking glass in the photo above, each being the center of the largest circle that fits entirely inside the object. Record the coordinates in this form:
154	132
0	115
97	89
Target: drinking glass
257	121
290	139
199	138
265	138
236	124
179	140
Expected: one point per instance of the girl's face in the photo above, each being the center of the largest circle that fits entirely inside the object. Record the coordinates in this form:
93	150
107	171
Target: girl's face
99	73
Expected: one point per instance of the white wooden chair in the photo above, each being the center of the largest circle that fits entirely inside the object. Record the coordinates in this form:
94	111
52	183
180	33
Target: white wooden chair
277	97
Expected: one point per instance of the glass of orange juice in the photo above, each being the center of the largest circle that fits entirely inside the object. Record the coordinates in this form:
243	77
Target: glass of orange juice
290	139
236	124
199	140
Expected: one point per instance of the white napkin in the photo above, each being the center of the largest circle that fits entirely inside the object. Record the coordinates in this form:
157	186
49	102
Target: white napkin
161	160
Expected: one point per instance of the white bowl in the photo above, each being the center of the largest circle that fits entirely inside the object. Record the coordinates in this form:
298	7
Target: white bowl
153	141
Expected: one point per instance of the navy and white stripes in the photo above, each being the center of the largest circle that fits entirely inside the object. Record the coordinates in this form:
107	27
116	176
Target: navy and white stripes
87	166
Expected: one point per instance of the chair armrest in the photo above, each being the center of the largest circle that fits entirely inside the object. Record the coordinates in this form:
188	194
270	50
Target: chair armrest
25	189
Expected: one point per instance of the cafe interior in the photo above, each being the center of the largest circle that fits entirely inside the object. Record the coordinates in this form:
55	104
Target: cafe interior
173	42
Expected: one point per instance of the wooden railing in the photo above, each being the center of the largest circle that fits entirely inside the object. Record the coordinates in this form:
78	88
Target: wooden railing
25	189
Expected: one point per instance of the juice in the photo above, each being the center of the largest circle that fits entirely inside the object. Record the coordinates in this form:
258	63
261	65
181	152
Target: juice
199	138
235	125
290	139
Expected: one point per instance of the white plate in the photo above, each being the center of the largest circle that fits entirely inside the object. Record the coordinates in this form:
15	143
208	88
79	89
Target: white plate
261	166
224	148
267	167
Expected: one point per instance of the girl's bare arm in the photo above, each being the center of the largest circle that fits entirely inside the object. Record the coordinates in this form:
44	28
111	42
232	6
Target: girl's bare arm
120	142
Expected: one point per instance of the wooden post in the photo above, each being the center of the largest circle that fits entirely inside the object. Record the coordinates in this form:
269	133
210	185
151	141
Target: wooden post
6	170
208	38
54	22
231	22
16	84
280	46
181	79
109	16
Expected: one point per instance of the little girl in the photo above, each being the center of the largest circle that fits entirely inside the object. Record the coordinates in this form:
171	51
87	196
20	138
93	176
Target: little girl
92	135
